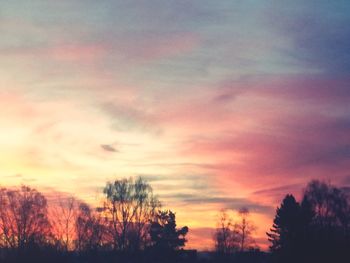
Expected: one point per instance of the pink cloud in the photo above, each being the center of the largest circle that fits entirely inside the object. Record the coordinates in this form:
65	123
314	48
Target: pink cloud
86	52
171	46
322	88
303	149
201	238
16	107
78	52
150	47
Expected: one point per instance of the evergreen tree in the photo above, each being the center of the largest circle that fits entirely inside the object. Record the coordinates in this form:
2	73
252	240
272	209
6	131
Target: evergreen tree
284	233
165	235
318	230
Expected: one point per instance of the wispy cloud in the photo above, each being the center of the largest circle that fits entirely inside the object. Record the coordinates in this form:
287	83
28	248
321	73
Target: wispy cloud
108	148
213	102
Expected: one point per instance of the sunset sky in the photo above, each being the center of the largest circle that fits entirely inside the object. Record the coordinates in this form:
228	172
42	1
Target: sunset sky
217	104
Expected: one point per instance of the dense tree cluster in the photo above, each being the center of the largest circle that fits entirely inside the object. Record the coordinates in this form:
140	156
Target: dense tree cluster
129	220
164	234
23	218
315	230
130	226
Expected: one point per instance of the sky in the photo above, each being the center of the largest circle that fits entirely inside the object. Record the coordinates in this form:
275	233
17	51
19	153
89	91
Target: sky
217	104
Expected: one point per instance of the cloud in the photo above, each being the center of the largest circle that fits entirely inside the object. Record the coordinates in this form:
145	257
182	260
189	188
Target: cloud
108	148
201	238
276	194
291	144
318	31
322	89
130	117
277	190
346	180
14	176
155	47
317	88
223	202
226	106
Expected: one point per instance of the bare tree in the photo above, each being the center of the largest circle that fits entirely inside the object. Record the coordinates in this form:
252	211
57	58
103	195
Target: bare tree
90	229
63	215
145	212
23	218
129	207
225	237
233	236
244	229
329	203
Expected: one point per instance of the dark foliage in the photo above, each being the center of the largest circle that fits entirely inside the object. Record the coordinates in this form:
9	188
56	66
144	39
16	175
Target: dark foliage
164	234
317	230
129	228
129	208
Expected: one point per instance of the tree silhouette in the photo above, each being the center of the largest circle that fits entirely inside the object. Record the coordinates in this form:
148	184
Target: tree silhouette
164	234
225	238
90	229
244	229
145	211
231	237
284	232
23	218
317	230
329	234
329	204
63	215
128	228
129	206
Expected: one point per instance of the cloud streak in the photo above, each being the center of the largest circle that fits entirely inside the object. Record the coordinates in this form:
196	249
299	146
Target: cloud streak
216	104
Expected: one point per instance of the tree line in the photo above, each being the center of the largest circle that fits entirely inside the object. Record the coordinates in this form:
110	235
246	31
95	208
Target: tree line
316	229
129	220
130	225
